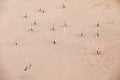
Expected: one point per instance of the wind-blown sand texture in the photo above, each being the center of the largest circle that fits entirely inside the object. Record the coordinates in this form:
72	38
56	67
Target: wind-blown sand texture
59	40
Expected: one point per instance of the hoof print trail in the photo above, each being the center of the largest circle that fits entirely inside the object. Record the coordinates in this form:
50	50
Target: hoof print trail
98	51
16	43
63	6
65	24
42	11
27	67
31	29
53	28
98	24
98	34
54	41
25	16
35	23
81	34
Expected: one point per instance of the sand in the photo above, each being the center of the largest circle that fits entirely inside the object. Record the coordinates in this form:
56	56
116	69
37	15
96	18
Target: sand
27	36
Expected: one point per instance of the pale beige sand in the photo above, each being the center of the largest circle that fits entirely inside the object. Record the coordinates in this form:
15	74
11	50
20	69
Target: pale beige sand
73	57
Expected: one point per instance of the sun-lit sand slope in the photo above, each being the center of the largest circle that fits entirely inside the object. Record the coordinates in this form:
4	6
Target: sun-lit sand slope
86	36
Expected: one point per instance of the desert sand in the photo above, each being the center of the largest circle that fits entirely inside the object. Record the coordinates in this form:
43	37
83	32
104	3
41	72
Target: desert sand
59	40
